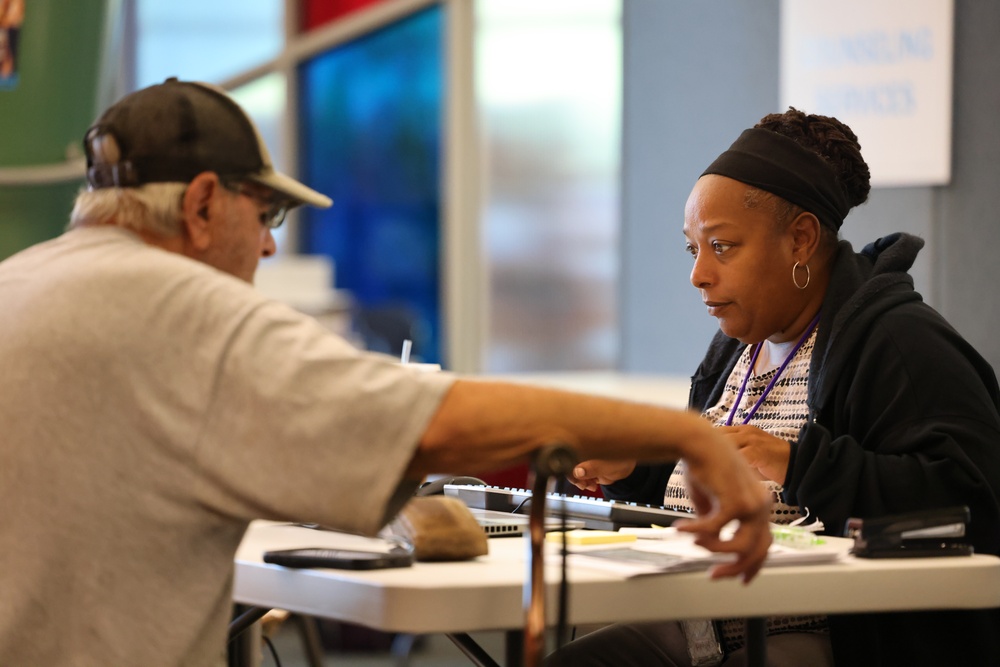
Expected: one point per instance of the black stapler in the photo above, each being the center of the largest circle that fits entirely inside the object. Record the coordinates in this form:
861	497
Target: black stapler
922	534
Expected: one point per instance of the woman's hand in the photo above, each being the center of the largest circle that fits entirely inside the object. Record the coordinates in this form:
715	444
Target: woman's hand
763	451
723	488
589	475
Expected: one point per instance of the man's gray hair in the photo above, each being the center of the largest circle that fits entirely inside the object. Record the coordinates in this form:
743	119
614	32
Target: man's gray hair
154	208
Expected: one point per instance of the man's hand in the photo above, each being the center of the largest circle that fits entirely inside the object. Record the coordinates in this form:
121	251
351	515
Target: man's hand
485	425
589	475
763	451
724	488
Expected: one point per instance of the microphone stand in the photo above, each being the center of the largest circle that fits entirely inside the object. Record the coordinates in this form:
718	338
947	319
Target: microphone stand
556	459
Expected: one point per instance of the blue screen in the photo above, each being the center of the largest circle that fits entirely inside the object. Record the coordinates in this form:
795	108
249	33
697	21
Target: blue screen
370	128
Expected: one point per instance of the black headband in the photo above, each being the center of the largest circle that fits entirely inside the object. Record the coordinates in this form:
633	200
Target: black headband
777	164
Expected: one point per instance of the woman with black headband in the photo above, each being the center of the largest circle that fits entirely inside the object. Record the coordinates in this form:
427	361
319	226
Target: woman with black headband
849	394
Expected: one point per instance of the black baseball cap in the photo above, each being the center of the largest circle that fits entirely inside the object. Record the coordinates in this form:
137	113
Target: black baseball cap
175	130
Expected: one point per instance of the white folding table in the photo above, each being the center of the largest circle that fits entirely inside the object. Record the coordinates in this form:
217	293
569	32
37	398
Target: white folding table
487	593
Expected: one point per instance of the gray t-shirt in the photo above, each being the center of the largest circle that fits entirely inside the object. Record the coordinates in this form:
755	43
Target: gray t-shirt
153	406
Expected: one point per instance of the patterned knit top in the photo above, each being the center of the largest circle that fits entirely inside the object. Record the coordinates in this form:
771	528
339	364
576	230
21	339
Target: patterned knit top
782	414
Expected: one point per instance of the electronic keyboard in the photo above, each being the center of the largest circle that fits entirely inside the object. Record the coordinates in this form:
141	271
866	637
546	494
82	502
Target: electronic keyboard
617	512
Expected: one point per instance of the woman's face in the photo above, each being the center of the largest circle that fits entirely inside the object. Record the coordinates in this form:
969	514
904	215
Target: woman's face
742	263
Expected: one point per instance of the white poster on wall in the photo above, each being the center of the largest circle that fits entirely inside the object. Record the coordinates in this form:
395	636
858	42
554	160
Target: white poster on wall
884	67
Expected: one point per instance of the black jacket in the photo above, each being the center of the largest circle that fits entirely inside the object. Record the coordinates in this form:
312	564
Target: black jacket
903	416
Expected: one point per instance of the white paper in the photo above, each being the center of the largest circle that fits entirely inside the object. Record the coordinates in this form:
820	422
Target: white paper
662	550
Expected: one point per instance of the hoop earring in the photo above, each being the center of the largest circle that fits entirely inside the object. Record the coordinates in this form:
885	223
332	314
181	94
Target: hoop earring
808	276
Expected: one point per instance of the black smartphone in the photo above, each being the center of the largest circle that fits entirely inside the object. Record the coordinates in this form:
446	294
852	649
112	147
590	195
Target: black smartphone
341	559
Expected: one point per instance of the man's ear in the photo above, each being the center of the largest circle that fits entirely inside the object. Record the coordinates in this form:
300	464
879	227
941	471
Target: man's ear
199	207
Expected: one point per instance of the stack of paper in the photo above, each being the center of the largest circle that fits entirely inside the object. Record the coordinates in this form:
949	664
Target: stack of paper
667	550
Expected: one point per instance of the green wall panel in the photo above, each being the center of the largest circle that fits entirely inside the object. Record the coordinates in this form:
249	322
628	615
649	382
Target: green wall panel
32	214
47	112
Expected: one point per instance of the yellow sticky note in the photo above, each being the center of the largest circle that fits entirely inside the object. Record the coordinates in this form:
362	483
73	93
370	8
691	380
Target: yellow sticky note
583	536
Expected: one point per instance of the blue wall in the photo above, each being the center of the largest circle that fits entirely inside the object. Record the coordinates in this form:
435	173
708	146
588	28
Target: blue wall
696	74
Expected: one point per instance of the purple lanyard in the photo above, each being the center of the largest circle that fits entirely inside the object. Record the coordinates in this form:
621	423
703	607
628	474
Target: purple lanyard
770	385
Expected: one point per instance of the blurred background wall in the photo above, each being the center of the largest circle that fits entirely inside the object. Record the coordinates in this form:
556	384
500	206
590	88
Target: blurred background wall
569	132
696	74
48	96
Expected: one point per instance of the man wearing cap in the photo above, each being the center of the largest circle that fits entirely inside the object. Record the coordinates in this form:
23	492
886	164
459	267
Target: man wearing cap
155	403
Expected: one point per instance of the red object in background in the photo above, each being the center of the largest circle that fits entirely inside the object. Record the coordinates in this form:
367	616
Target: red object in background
316	13
517	478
